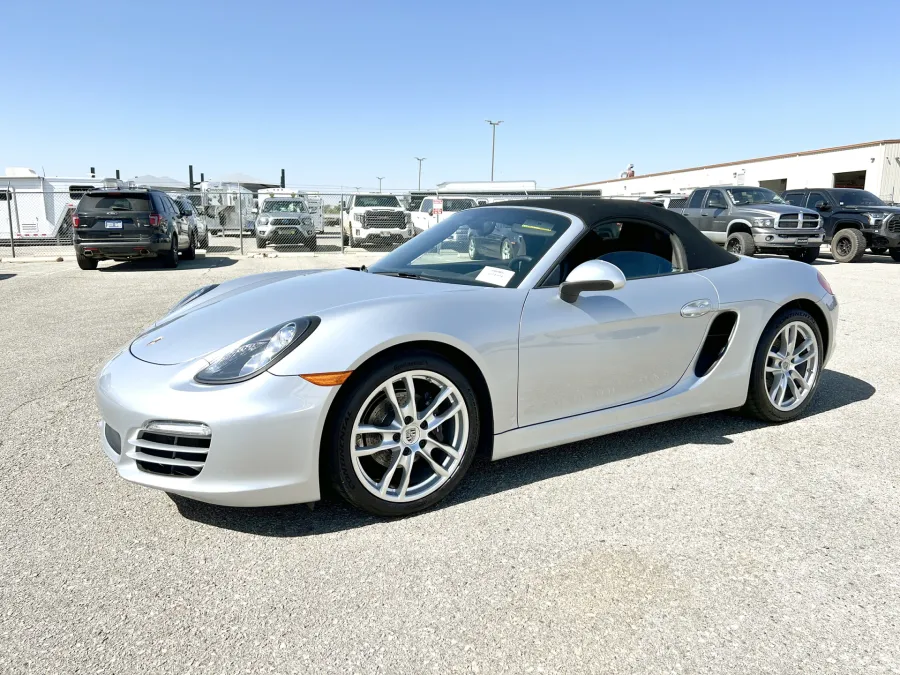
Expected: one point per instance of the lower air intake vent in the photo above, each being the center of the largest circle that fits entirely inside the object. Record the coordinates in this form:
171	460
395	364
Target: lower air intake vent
716	342
171	448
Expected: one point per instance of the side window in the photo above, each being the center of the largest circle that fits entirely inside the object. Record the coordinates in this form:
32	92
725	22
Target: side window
697	199
716	200
639	249
815	198
426	205
794	198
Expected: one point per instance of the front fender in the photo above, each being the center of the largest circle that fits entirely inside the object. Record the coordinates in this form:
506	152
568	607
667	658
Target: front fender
737	221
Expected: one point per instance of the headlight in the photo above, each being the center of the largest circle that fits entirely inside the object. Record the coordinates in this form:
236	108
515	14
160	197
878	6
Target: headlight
764	222
876	216
358	217
257	353
190	297
307	221
262	222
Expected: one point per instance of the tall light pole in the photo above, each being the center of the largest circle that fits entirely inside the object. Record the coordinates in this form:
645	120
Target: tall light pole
380	178
494	126
421	159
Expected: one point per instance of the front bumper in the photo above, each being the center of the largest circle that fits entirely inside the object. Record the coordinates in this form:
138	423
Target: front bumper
381	234
264	448
287	233
772	237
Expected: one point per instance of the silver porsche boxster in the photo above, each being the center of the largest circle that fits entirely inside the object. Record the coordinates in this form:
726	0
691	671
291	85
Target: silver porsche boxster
505	329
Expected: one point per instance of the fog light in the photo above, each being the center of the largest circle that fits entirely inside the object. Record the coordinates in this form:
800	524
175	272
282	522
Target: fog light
769	237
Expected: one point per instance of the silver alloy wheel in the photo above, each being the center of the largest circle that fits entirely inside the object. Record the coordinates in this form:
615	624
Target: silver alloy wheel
404	447
506	250
472	251
734	246
792	366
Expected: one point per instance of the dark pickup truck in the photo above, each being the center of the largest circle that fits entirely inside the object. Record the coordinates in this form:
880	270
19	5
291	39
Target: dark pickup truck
747	219
854	221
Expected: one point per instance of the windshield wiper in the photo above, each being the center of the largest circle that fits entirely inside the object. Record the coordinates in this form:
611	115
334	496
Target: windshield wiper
410	275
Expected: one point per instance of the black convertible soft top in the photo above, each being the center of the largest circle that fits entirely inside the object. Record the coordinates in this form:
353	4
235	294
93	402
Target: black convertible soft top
701	252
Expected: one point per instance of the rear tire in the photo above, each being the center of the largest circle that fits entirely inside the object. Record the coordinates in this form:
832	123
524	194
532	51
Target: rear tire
848	246
190	253
741	243
85	263
759	403
807	255
170	258
895	253
365	402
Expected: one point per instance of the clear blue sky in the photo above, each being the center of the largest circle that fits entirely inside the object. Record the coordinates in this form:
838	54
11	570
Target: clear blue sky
338	93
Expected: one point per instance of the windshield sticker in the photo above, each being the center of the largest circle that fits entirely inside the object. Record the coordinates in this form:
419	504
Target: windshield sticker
495	275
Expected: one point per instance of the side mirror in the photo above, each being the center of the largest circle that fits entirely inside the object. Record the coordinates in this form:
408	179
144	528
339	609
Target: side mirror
823	206
717	205
593	275
254	210
430	212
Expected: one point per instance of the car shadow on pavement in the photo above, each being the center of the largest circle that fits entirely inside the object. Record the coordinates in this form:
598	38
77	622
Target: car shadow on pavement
486	478
4	277
153	264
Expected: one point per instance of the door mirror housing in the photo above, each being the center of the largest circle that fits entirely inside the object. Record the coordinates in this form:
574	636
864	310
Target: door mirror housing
716	204
823	206
593	275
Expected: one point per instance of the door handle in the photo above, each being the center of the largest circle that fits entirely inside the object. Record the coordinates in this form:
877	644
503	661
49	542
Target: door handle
696	309
705	214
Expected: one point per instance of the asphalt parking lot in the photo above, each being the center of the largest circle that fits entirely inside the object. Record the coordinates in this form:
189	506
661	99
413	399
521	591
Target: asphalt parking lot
707	545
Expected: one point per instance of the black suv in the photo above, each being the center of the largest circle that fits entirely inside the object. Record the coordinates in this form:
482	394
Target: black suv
130	224
854	220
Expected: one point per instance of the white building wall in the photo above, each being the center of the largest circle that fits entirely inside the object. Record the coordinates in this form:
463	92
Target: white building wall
880	162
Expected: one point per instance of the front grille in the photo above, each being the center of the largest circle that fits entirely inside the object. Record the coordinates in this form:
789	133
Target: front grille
170	454
796	221
384	219
893	224
286	222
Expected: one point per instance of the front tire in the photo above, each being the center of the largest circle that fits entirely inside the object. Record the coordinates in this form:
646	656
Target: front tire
393	454
260	242
895	254
848	246
786	367
312	244
741	243
807	255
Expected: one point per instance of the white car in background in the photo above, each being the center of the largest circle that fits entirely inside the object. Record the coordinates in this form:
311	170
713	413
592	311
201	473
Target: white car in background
426	216
375	219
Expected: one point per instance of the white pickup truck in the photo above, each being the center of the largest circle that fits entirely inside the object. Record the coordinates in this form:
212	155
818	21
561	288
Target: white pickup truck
426	217
374	219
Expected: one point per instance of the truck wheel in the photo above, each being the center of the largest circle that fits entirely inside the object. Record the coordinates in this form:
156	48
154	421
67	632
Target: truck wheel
895	253
807	255
878	251
741	243
352	242
848	246
312	245
260	242
345	241
86	263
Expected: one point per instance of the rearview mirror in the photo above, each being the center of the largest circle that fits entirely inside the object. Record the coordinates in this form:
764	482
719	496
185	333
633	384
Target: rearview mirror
593	275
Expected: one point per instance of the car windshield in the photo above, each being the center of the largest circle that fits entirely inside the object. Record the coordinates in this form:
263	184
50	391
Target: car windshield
857	198
745	196
115	201
487	246
367	201
283	206
454	205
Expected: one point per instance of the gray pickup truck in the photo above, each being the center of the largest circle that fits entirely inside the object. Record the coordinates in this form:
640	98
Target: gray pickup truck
750	219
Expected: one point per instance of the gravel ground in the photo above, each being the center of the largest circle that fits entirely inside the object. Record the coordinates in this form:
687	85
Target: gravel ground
707	545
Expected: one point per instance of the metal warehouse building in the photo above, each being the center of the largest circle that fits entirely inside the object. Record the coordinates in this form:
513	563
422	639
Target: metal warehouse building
873	166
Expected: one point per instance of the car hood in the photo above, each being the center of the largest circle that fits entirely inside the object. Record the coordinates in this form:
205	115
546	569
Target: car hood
775	209
238	309
871	209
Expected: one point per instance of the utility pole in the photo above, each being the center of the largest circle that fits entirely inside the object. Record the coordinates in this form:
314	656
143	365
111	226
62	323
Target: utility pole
421	159
282	178
380	178
494	126
191	177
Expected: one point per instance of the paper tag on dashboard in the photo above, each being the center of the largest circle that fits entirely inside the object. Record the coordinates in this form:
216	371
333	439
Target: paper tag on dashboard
495	275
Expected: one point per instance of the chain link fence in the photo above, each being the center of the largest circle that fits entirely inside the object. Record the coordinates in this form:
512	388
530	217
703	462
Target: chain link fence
238	221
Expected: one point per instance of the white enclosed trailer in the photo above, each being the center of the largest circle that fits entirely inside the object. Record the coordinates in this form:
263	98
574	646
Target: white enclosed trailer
35	208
